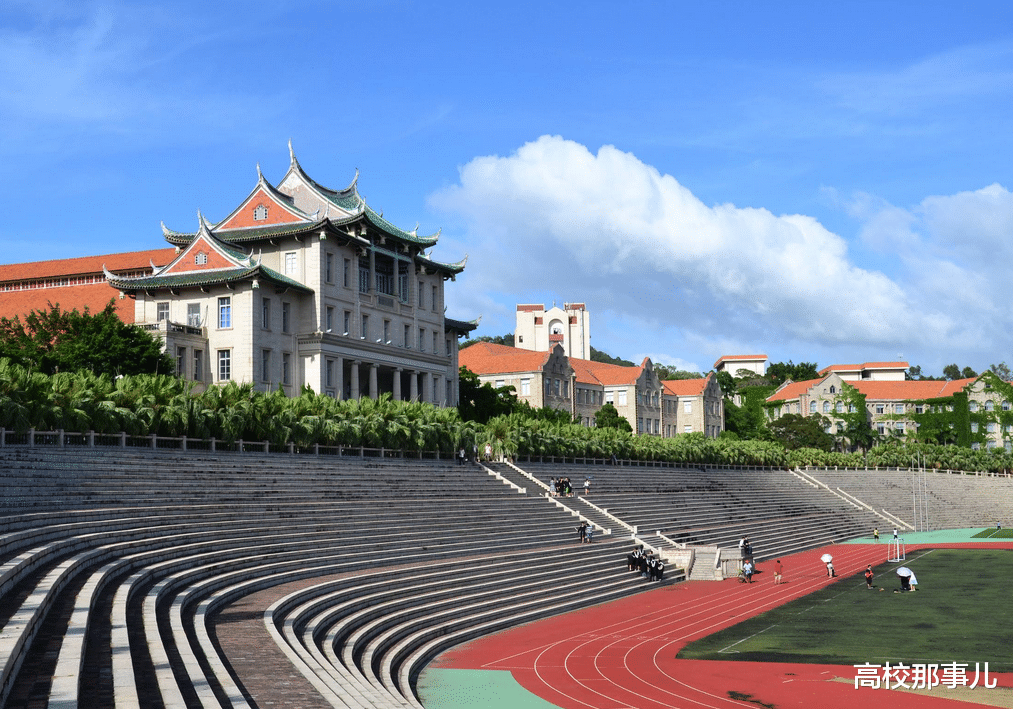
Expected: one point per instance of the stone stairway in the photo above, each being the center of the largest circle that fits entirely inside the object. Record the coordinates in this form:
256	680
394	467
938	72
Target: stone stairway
603	524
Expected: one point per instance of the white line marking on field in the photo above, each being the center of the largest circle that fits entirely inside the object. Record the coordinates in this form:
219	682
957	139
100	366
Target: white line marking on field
745	639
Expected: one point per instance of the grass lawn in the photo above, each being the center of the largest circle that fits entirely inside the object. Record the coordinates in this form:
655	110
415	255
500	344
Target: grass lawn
958	614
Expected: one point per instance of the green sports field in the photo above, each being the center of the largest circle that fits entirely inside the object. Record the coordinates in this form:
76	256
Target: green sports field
958	614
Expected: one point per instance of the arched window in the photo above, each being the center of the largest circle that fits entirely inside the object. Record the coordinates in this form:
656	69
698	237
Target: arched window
812	407
833	389
840	407
972	406
826	407
989	405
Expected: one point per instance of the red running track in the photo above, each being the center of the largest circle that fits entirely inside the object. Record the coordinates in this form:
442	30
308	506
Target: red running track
621	655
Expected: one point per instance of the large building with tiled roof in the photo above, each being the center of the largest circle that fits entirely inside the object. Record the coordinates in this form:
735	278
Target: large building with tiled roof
582	387
74	283
694	405
901	408
300	285
869	371
733	364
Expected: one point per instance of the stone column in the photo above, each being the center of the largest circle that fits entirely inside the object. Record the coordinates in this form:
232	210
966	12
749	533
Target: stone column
439	391
340	363
397	383
427	386
373	393
355	379
413	385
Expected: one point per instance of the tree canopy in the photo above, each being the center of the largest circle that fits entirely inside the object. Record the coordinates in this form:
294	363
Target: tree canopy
794	431
608	417
780	372
56	340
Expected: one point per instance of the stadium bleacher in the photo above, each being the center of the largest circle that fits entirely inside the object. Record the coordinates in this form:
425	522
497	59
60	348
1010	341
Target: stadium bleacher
122	570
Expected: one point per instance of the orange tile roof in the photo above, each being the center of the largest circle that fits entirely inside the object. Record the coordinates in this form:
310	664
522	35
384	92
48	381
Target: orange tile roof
487	358
686	387
86	264
898	391
864	365
793	390
94	296
881	391
589	372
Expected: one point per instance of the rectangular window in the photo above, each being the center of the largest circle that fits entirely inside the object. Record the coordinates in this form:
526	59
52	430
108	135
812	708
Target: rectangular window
640	425
286	316
622	397
329	268
555	388
407	336
386	332
436	343
657	426
363	275
265	365
329	321
286	368
193	314
434	302
687	407
880	409
224	365
198	365
265	313
290	261
224	314
348	322
364	327
898	408
420	304
329	373
687	428
899	427
346	274
162	311
881	429
525	387
450	347
608	397
500	383
181	361
566	388
422	339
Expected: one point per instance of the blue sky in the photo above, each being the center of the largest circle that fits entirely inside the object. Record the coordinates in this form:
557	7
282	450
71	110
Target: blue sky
817	184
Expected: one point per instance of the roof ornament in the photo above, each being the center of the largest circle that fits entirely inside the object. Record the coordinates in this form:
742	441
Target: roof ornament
291	152
260	175
155	270
415	231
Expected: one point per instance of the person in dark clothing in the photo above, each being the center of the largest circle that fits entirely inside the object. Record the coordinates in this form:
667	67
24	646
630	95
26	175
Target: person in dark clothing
582	531
633	560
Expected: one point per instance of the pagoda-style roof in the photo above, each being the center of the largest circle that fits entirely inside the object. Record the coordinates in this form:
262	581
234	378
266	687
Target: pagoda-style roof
460	326
301	207
206	261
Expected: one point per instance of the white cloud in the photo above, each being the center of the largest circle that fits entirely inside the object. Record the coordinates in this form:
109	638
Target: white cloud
608	227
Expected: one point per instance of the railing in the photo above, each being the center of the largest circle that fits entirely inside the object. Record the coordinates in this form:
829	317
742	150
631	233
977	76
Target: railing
92	440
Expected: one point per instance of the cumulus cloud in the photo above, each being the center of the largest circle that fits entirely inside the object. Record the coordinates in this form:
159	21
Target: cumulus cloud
555	215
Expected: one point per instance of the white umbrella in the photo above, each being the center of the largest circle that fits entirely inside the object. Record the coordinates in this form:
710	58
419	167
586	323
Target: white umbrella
826	558
904	571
